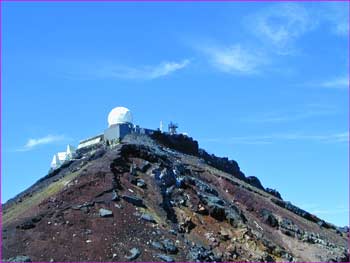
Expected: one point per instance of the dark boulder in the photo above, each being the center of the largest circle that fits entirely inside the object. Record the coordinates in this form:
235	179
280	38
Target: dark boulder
173	232
268	218
186	225
223	164
179	142
119	166
19	259
26	225
165	258
344	229
135	253
139	182
115	196
134	200
201	254
180	169
169	246
288	228
214	205
132	170
217	211
324	224
97	154
267	258
202	186
295	210
140	151
234	216
208	199
157	245
254	181
144	166
273	192
37	219
167	178
148	218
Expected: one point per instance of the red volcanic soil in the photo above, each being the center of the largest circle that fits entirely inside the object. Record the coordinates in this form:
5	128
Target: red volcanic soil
166	206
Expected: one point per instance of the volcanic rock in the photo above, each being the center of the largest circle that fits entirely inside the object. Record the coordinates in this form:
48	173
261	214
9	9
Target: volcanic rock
134	200
165	258
148	217
105	212
135	253
204	209
169	246
19	259
269	218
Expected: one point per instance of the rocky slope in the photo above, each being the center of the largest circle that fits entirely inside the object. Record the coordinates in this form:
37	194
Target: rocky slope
144	201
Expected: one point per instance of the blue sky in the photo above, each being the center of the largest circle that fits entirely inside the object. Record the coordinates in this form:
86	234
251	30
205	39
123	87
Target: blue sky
265	84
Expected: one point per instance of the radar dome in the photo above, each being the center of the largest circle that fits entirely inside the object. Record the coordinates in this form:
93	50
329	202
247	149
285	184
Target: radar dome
119	115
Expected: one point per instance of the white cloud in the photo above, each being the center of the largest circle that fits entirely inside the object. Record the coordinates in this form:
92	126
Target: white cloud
336	14
340	82
305	112
235	59
143	72
342	28
277	29
167	68
342	137
33	143
281	24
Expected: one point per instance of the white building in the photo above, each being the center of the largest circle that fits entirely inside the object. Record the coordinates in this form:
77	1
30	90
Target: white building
60	157
119	124
90	141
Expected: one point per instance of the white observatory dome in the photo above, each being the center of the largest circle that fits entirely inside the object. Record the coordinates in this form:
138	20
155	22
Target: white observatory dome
119	115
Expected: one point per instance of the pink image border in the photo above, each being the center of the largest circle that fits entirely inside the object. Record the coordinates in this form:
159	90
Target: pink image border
159	1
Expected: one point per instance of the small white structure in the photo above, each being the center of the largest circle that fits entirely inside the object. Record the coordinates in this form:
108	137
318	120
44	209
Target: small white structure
90	141
119	115
70	151
55	161
60	157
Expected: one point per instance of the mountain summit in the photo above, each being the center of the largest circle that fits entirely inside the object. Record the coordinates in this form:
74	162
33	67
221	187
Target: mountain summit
159	198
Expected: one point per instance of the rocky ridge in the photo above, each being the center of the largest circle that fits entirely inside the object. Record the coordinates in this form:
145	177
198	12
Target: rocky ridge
152	200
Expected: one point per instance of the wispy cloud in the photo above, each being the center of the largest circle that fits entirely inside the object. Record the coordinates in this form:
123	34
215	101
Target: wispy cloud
336	14
272	138
167	68
276	31
280	25
142	72
340	82
337	83
310	111
235	59
33	143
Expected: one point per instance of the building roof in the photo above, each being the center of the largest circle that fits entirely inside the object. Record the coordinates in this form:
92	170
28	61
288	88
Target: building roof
119	115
